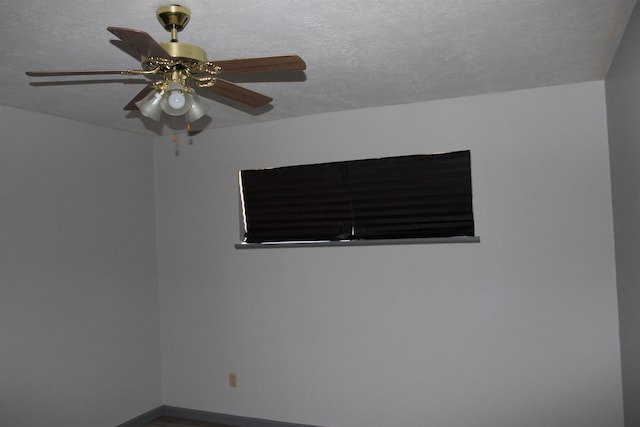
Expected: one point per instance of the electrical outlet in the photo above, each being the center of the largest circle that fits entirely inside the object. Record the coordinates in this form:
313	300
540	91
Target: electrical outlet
233	379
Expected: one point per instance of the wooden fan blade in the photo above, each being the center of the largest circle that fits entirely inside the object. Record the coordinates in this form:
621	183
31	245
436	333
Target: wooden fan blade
144	92
238	93
253	65
74	73
140	41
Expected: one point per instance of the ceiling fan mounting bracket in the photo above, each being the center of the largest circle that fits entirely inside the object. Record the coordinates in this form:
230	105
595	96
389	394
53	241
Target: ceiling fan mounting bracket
173	17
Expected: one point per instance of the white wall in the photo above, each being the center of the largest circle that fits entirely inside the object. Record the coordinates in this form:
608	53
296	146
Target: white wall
520	329
79	338
623	107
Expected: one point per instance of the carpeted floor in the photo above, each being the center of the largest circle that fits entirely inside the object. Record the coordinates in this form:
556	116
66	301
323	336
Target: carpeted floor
166	421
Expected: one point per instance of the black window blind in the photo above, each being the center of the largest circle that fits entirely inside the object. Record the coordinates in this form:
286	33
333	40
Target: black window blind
417	196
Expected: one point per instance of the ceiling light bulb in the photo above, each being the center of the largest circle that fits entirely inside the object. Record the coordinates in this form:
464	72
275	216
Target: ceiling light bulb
176	99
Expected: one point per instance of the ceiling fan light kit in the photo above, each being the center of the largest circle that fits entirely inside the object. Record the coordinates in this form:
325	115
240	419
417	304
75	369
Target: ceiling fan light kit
183	68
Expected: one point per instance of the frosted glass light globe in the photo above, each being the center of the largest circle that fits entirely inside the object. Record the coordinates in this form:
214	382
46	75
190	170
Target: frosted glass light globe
176	99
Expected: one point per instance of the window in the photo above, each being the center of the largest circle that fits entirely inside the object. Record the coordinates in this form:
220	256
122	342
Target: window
406	197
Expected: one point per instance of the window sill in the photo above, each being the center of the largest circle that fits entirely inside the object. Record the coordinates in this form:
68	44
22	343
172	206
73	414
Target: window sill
380	242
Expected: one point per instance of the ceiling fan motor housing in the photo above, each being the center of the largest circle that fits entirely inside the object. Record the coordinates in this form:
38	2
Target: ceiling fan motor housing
185	51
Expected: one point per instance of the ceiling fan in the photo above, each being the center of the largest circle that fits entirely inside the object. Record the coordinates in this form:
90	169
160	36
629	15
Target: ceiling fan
182	68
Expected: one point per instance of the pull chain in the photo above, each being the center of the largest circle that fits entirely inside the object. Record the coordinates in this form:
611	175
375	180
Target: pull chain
175	134
175	138
189	128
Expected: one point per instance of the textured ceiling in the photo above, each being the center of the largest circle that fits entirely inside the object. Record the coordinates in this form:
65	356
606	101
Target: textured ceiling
359	53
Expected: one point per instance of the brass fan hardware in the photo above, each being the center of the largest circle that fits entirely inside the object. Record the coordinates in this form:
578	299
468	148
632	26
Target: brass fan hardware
183	67
173	18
